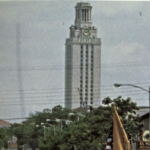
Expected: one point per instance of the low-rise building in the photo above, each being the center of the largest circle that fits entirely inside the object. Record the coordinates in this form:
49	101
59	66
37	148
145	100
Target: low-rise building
4	124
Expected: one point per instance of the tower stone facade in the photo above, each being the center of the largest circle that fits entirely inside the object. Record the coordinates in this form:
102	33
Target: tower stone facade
82	62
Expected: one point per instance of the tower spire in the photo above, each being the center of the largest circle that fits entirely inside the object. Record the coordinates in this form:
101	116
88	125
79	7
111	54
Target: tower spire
83	15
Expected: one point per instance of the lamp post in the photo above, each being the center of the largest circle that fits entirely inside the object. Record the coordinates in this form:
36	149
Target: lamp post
57	120
44	130
49	125
78	114
118	85
66	121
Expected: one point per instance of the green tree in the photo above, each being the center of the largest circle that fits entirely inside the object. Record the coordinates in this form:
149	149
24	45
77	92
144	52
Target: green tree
127	112
51	142
4	135
26	133
93	131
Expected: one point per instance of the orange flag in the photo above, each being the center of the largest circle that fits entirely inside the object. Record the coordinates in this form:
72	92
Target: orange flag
120	139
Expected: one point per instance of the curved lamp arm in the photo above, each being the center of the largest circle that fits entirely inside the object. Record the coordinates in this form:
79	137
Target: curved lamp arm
118	85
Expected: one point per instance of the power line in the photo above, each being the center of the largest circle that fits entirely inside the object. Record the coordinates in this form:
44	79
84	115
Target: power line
43	103
95	91
102	86
57	96
72	67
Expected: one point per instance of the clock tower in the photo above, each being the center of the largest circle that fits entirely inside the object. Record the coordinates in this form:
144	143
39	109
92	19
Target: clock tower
82	62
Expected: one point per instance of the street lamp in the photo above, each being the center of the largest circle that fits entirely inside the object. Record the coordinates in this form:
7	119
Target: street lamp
78	114
118	85
49	125
60	121
44	130
57	120
66	121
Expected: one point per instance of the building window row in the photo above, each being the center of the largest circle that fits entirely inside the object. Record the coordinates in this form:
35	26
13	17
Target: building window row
87	85
81	72
92	59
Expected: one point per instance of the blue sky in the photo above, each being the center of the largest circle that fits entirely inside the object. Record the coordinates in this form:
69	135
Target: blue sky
44	26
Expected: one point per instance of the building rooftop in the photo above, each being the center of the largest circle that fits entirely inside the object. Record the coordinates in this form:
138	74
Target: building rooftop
4	124
142	111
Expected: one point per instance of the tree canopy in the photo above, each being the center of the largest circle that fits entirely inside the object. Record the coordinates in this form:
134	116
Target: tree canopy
90	132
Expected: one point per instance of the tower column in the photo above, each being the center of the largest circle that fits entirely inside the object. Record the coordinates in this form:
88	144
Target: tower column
76	14
87	14
90	14
80	11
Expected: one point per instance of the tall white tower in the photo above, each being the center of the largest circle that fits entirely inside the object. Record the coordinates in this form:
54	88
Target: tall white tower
82	62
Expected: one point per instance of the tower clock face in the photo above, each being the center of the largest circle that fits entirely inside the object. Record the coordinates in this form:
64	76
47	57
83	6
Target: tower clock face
86	30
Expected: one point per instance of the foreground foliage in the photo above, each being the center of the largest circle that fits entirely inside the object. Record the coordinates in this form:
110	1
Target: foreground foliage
91	132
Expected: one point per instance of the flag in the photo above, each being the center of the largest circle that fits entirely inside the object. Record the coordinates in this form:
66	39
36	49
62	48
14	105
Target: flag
120	139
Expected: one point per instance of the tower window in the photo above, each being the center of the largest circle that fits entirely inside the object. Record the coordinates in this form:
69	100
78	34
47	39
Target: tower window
87	47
